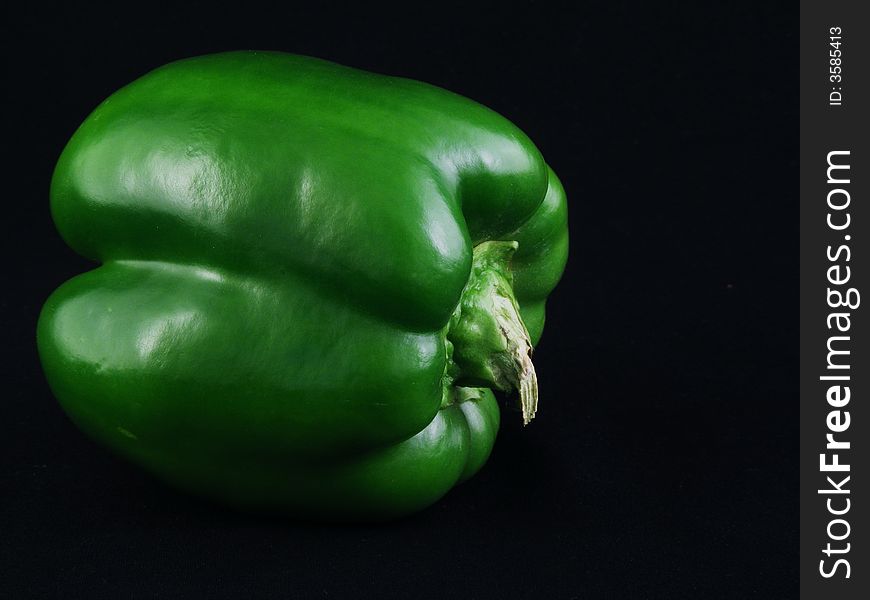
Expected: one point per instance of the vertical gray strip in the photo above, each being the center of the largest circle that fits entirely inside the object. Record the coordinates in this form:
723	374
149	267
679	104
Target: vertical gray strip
835	299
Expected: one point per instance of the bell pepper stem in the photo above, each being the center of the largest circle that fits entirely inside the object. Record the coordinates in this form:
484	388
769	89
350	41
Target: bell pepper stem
490	343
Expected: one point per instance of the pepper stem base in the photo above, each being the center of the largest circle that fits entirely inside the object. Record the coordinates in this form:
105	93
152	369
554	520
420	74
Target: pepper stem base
491	346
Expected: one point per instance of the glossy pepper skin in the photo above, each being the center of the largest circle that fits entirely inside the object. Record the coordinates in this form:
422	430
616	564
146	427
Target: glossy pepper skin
286	246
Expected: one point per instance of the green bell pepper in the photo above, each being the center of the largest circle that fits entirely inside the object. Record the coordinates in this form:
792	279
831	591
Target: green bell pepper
311	280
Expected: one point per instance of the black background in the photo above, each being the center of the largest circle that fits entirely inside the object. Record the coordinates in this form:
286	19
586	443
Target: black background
663	462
